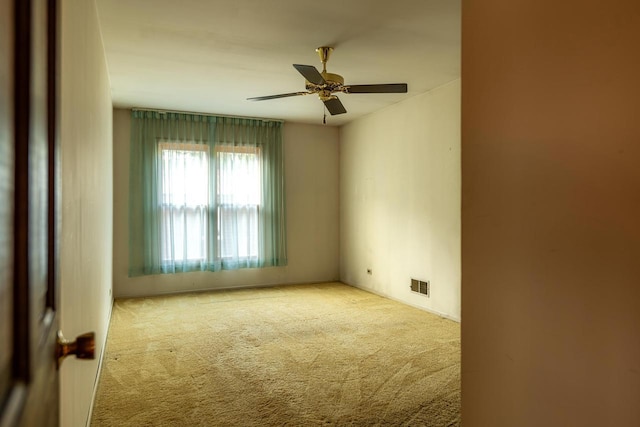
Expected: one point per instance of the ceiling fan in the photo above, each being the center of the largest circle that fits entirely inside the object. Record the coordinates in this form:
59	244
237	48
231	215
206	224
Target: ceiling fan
326	84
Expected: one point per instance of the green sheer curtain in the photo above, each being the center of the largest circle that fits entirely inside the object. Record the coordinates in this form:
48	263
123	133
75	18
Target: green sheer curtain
159	231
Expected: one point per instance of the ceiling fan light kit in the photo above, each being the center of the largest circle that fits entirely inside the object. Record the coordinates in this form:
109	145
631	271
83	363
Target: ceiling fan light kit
325	84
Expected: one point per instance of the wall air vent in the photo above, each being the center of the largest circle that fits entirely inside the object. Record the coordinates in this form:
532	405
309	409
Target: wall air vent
420	287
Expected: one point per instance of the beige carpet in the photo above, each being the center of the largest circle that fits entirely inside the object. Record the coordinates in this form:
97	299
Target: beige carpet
306	355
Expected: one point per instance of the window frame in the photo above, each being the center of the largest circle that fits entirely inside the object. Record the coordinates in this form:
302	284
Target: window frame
217	204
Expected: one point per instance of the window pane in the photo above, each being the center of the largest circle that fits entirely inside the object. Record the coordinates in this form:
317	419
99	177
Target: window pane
238	178
184	177
238	227
196	233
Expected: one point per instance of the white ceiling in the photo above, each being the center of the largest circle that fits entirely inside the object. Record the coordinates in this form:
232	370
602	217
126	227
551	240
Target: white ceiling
210	55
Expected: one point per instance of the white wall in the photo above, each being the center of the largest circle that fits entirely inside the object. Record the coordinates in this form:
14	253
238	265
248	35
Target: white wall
311	185
400	200
551	213
86	241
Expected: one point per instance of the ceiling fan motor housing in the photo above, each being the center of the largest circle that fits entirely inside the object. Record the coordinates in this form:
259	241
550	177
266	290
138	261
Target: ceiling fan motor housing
334	83
333	78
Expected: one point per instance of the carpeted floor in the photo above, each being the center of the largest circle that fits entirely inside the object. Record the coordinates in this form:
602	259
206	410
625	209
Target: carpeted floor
307	355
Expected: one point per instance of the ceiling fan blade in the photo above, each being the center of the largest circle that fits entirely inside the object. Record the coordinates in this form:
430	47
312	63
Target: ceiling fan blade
334	106
282	95
310	73
384	88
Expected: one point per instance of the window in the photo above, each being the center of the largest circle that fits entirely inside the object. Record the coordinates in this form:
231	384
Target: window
206	193
238	201
184	203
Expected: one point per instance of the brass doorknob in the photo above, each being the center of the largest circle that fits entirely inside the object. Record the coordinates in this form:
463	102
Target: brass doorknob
83	347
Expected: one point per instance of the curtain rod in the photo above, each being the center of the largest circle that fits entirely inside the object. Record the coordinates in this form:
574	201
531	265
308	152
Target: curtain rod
205	114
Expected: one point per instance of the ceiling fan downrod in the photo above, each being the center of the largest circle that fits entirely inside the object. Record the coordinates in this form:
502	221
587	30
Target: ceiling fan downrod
324	52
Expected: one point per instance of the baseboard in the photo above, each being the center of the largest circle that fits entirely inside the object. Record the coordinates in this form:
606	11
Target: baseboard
222	288
99	371
383	295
